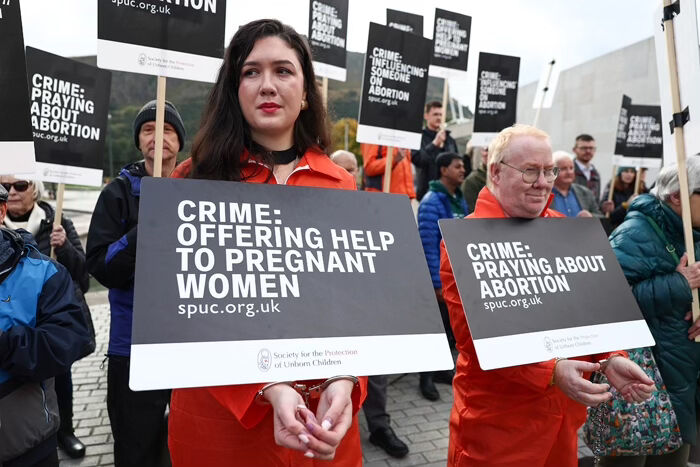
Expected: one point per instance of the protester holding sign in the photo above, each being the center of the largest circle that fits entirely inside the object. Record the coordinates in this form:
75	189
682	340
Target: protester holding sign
26	210
374	161
540	406
623	194
435	140
265	123
137	418
650	248
42	332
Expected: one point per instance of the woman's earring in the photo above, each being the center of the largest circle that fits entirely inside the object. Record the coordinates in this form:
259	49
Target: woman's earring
304	104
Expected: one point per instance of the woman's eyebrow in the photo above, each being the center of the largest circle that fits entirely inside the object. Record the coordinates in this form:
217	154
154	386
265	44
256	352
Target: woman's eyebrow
275	62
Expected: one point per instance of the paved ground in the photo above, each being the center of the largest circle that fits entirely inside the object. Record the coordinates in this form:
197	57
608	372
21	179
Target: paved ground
89	394
422	424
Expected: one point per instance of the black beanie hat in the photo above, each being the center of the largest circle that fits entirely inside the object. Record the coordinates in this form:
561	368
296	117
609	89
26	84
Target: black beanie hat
148	114
3	194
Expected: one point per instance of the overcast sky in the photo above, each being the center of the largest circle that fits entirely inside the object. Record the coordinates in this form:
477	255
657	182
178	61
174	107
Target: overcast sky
572	31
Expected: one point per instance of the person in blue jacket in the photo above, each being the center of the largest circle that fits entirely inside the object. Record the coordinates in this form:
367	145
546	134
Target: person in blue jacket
137	419
444	200
42	332
662	284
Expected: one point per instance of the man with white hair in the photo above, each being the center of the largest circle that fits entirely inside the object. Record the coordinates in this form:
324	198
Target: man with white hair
528	414
571	199
346	160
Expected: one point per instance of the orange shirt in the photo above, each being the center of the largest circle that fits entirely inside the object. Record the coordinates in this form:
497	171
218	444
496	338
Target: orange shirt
224	426
374	162
508	417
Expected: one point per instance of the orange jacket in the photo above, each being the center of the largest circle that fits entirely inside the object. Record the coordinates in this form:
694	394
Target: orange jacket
224	426
509	417
374	161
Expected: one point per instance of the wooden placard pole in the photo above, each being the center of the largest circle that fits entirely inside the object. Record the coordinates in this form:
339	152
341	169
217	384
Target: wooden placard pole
611	191
445	94
324	91
59	211
387	168
637	181
160	127
679	138
544	93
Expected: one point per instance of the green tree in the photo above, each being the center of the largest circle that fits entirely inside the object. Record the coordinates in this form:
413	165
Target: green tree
338	137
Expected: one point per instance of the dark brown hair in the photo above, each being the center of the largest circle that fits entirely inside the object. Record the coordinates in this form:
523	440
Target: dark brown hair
620	186
583	137
431	105
224	133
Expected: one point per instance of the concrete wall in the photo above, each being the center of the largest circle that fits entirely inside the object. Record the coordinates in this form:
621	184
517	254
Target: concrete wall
588	98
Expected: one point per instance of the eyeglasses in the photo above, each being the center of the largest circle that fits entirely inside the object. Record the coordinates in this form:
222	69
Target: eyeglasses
19	186
531	175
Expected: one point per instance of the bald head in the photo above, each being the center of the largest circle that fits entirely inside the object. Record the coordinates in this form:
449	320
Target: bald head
346	160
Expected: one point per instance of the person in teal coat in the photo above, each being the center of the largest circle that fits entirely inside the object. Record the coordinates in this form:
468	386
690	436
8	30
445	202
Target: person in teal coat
662	287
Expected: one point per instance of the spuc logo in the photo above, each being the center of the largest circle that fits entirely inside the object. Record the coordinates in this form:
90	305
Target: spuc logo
142	59
548	344
264	360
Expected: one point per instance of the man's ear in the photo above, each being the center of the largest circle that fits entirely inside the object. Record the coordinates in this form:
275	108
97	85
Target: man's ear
494	172
675	199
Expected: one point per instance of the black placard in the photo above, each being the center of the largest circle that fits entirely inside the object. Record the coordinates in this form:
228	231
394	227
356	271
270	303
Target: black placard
642	136
622	123
328	32
69	108
14	98
15	125
528	297
496	92
644	132
133	35
262	267
451	33
404	21
394	86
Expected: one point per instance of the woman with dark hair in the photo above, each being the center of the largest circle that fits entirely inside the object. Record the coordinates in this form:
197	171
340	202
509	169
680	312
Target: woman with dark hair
265	123
624	183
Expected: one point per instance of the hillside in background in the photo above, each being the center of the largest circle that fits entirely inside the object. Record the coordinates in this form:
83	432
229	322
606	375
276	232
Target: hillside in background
130	91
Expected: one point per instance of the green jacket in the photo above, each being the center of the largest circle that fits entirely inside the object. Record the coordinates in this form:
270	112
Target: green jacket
472	185
664	297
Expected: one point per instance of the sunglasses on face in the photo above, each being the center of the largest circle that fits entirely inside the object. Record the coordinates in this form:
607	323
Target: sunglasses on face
19	186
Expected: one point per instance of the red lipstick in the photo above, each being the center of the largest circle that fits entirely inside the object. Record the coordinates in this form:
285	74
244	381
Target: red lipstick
269	107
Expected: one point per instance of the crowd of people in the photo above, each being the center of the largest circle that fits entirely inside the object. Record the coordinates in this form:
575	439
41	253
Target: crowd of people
265	122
